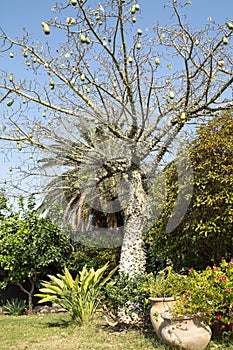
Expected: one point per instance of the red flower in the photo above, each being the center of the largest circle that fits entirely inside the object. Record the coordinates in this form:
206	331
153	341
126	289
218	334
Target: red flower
219	317
223	278
228	289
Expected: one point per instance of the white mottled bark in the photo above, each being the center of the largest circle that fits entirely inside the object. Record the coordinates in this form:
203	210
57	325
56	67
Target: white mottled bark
133	255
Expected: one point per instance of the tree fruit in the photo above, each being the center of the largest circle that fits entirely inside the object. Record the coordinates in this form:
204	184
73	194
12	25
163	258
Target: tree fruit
10	103
51	83
183	116
134	19
19	147
82	38
11	54
137	7
11	77
82	77
45	28
139	31
133	10
171	94
138	46
230	25
225	40
74	2
157	61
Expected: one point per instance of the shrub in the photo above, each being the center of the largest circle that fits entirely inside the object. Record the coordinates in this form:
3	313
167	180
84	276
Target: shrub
14	307
210	295
80	296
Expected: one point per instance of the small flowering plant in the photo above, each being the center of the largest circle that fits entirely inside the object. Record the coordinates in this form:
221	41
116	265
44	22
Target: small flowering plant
210	294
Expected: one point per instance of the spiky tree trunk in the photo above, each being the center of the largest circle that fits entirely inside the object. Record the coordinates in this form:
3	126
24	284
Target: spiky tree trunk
133	254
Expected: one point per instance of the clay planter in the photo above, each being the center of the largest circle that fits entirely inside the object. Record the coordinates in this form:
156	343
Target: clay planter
184	332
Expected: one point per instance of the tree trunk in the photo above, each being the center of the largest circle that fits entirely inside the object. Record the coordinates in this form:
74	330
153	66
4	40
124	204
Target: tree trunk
137	213
29	293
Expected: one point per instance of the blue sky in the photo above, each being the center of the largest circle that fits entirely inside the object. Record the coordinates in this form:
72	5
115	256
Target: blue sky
15	14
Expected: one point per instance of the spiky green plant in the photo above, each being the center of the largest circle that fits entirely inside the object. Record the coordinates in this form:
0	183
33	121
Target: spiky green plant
80	296
14	307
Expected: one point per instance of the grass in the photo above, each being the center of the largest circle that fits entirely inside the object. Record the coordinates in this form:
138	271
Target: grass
56	332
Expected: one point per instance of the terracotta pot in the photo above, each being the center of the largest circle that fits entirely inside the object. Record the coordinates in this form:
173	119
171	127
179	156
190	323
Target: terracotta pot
184	332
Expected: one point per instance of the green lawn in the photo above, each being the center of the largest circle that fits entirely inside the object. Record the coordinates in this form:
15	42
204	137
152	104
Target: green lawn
55	332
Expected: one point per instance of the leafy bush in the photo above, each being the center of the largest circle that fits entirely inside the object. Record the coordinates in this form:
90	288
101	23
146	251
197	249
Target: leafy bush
92	257
210	295
80	296
166	283
130	296
15	307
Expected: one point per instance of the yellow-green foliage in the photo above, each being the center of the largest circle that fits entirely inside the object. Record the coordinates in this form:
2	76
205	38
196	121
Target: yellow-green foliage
79	296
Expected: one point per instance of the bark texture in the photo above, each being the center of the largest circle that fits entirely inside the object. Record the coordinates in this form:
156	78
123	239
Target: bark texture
133	254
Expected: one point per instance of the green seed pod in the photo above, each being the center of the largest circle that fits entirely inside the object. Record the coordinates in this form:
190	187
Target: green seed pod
10	103
183	116
45	28
169	66
51	83
11	54
71	21
10	169
230	25
139	31
82	77
157	61
171	94
225	40
82	38
11	77
134	19
133	10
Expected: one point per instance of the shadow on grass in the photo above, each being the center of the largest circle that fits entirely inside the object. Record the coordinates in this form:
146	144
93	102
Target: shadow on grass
59	324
